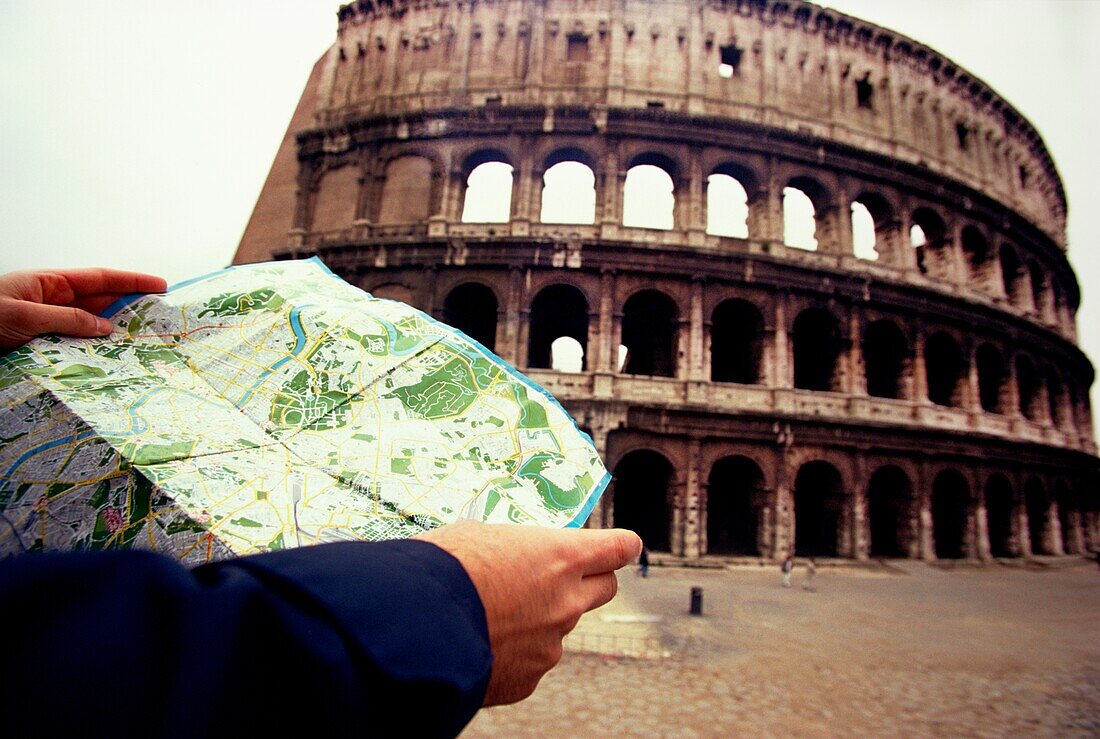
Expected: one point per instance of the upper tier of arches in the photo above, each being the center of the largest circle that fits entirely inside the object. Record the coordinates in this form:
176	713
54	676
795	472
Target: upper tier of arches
789	64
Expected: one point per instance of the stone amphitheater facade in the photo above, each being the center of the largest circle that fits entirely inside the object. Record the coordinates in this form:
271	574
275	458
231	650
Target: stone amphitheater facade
930	402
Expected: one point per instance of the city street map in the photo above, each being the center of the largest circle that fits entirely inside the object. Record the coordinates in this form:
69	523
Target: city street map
273	406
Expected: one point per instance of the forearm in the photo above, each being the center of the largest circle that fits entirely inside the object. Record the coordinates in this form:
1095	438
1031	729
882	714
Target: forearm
340	639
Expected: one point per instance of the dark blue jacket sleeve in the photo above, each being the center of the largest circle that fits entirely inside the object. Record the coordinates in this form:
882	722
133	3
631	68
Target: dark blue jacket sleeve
348	639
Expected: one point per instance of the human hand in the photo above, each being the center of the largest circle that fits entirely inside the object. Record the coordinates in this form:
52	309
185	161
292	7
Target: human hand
535	584
63	301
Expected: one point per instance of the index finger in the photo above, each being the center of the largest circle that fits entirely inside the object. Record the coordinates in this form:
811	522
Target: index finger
98	280
606	550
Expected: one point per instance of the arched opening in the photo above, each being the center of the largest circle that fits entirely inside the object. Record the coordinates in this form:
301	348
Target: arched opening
1038	282
1012	276
799	216
737	342
946	370
649	199
817	346
928	237
978	256
886	360
873	226
335	199
736	504
568	194
863	232
649	334
488	191
557	311
566	355
1027	386
641	497
472	309
1038	515
1056	398
407	191
890	506
950	511
998	515
991	379
819	508
727	207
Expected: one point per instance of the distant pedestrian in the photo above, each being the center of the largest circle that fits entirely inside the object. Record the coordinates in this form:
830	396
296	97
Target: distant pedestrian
1097	553
786	568
811	573
643	562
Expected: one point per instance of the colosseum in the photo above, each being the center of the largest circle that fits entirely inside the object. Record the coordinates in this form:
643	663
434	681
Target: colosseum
802	278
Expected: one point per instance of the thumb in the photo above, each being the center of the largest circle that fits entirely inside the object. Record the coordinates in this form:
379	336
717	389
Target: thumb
606	550
33	319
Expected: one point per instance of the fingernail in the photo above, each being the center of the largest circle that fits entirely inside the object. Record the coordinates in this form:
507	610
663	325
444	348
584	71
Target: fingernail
103	326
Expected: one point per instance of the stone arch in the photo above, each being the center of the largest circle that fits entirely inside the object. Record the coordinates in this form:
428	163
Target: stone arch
649	192
1037	500
951	506
641	490
999	509
928	237
1028	388
737	506
557	310
569	187
820	508
1012	276
472	308
817	346
487	181
888	362
733	193
992	379
945	369
1040	289
650	328
410	190
979	257
881	218
336	197
801	226
737	342
890	503
1056	398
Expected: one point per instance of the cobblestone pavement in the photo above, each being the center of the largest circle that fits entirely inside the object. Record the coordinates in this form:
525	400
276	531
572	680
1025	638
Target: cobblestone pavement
906	649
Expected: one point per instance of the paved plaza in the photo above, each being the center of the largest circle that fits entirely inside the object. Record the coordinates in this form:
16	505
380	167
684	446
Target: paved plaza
897	649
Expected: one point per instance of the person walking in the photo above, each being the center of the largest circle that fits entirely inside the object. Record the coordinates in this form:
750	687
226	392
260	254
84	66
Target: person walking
811	572
643	562
786	568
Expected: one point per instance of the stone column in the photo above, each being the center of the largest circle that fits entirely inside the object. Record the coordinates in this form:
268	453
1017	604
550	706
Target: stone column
1022	532
924	517
684	334
920	368
697	342
1052	531
857	374
783	504
695	222
784	377
981	529
692	545
861	525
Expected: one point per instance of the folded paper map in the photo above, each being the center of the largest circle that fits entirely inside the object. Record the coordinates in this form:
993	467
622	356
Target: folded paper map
271	406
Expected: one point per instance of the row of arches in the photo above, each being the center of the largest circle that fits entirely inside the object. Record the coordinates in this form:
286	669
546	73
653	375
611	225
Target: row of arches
652	191
887	519
938	366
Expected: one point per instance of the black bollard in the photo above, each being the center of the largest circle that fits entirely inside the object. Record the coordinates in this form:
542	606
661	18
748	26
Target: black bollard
696	601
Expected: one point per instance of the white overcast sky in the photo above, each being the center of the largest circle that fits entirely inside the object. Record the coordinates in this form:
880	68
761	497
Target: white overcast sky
137	134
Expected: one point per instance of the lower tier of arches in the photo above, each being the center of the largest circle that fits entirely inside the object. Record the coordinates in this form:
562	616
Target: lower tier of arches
698	486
